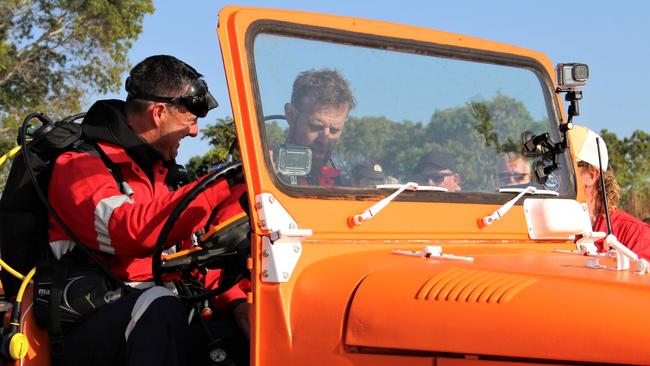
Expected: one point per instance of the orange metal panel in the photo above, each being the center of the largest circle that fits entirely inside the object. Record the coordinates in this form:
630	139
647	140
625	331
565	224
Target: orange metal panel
389	310
423	220
516	300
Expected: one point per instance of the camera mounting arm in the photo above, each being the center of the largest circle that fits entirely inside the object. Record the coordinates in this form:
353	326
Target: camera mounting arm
570	77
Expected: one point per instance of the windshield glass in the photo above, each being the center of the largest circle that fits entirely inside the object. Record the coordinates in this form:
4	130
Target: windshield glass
338	115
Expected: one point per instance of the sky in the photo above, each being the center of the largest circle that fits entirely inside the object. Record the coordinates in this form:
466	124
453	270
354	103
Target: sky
611	39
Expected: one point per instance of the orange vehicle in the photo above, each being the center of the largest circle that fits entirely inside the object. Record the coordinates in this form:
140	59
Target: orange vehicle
495	268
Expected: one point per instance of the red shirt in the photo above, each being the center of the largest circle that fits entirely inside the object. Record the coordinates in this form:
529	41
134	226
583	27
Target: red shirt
630	231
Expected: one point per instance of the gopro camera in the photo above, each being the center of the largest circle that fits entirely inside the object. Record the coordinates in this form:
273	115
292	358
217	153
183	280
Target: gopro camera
570	76
294	160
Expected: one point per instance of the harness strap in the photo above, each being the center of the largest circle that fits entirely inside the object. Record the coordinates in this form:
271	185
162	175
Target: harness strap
55	330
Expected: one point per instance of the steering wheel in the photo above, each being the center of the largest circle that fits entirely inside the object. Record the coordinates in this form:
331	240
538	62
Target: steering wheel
225	246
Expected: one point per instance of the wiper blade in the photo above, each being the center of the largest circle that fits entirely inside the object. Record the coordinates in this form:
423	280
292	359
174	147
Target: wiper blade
501	211
366	215
521	189
417	187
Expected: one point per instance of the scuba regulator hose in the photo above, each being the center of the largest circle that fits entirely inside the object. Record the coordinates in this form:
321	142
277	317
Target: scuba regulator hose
9	155
14	342
4	265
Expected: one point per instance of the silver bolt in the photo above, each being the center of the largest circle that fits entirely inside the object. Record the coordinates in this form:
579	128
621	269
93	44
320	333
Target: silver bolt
266	253
271	199
218	355
259	205
285	275
265	274
292	225
296	249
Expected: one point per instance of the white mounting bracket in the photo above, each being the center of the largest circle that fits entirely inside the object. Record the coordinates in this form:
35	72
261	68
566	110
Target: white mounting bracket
624	256
433	251
587	244
282	248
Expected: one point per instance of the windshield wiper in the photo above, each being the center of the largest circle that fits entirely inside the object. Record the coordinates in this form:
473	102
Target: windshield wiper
366	215
501	211
416	188
522	189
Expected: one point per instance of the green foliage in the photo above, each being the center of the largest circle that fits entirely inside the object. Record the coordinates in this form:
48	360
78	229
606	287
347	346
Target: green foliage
54	53
511	115
368	139
475	134
275	134
221	136
630	160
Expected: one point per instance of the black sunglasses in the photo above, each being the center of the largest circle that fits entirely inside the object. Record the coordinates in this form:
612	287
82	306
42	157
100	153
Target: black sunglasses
435	177
197	100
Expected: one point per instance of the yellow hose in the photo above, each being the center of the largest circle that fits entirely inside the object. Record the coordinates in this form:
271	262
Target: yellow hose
23	286
4	265
10	154
11	271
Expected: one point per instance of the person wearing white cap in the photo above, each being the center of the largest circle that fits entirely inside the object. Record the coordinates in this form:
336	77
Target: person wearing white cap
630	231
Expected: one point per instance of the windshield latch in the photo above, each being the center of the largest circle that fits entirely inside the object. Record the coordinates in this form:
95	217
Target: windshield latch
433	251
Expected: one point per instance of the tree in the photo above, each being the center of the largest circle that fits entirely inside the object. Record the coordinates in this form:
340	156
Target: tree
630	161
476	133
54	53
221	136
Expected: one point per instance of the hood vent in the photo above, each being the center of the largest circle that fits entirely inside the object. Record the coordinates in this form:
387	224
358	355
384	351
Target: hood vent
467	285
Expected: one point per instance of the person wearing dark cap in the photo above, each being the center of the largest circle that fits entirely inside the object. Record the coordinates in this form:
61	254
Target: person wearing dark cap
146	325
367	175
437	168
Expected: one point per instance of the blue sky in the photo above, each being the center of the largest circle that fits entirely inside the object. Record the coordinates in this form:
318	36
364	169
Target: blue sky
611	39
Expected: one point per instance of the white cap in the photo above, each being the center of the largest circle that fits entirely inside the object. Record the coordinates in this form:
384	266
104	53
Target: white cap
584	145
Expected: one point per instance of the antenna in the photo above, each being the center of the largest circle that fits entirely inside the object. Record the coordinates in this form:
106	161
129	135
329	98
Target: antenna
602	186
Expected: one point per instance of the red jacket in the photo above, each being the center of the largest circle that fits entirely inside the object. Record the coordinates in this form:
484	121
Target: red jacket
630	231
85	194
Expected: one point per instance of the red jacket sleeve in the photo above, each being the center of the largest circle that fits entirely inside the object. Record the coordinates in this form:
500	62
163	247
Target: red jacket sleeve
636	236
85	194
630	231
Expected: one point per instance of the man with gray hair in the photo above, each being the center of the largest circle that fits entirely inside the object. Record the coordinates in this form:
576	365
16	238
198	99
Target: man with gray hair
321	101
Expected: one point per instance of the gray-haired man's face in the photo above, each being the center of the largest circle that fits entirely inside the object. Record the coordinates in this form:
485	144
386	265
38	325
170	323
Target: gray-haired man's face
318	127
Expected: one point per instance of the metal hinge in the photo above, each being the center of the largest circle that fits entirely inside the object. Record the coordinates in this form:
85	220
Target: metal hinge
282	248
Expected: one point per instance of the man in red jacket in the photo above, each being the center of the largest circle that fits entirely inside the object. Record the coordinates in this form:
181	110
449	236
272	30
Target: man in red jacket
630	231
141	136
